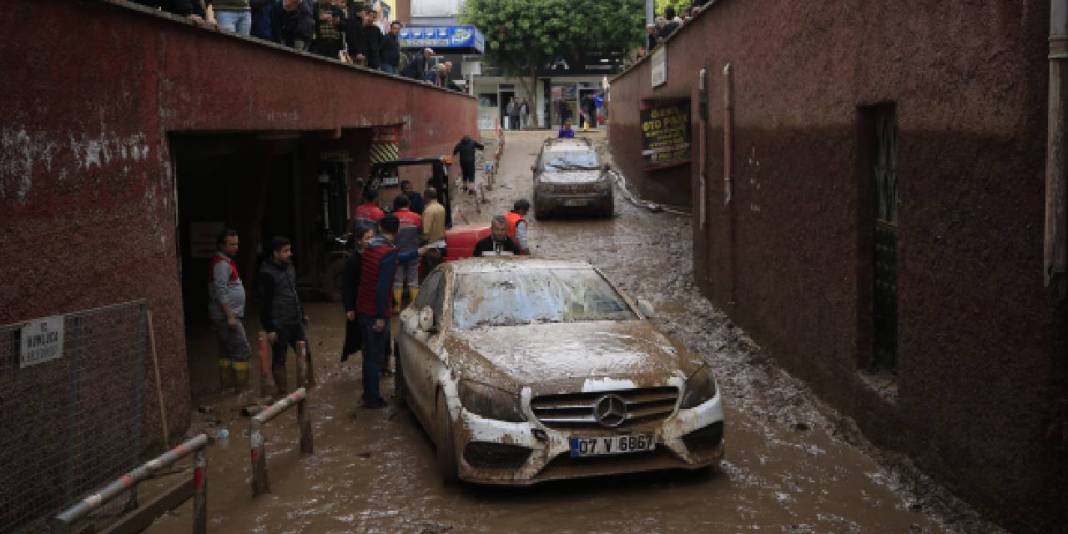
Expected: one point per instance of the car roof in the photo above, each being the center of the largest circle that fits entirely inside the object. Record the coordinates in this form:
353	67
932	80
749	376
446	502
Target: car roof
498	264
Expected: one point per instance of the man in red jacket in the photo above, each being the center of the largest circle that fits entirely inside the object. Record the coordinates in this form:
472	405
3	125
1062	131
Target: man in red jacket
373	306
368	214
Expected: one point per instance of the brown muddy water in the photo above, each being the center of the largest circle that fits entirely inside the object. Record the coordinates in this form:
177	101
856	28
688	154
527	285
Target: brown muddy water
792	464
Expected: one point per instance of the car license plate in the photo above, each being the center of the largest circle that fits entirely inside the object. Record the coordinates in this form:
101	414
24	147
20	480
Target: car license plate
608	445
575	202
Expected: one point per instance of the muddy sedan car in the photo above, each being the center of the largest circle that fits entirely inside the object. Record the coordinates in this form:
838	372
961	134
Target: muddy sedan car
525	370
568	177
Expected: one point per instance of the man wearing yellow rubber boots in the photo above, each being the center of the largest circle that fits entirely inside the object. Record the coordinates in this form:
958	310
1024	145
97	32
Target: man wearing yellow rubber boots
227	309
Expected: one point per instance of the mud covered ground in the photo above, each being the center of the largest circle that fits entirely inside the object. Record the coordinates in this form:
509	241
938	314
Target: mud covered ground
792	464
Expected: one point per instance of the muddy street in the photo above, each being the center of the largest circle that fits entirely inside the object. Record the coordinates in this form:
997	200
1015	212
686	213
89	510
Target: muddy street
791	465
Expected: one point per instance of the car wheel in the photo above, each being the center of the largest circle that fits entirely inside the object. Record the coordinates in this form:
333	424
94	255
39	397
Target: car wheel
609	209
446	447
400	389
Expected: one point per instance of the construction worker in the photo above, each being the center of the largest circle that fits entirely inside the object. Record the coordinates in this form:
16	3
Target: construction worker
226	310
407	240
368	214
517	224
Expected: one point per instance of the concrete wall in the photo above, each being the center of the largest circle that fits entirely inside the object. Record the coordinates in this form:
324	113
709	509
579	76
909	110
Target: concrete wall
91	90
789	257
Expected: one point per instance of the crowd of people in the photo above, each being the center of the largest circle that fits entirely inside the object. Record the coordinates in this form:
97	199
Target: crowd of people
345	30
669	22
388	249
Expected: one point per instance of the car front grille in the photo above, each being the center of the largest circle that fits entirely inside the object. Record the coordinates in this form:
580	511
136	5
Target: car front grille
579	410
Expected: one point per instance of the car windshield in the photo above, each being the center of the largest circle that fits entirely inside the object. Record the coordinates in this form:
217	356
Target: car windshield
569	160
518	297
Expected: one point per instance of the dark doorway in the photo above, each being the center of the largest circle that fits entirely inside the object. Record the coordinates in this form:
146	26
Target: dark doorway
878	237
226	181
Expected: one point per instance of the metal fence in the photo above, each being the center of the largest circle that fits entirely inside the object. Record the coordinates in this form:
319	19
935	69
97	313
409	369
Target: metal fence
70	419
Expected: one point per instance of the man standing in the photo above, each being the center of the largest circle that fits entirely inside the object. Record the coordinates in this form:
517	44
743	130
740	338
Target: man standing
294	24
366	41
466	149
373	304
415	200
517	224
226	310
410	226
497	243
433	227
511	112
328	41
524	114
281	313
233	15
368	214
390	54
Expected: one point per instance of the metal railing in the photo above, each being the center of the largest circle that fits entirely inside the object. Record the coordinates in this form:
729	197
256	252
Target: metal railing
257	444
63	522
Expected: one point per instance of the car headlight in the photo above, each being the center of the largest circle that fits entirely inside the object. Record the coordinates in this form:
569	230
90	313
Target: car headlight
700	387
490	402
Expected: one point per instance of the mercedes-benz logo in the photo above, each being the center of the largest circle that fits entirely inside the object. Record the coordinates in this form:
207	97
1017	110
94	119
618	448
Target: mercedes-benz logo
610	410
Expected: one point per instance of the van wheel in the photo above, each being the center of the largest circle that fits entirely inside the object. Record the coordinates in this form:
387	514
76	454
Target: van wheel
446	447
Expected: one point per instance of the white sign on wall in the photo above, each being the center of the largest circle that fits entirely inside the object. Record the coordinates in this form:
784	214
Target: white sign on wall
42	340
659	66
435	8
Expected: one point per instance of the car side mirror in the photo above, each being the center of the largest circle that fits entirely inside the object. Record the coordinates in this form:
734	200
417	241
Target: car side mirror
426	320
646	308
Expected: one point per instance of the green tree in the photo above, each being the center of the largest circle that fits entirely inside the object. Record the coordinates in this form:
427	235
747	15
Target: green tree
677	4
523	36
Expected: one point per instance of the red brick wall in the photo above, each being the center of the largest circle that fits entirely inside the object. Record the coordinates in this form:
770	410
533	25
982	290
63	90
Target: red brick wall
91	90
785	256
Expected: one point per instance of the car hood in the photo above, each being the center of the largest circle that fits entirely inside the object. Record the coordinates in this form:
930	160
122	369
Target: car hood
569	356
571	177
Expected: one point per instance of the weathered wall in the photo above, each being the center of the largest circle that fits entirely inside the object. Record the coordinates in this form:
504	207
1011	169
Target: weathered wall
90	91
789	261
629	90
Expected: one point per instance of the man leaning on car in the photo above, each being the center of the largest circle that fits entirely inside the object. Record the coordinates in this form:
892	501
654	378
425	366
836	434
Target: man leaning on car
497	243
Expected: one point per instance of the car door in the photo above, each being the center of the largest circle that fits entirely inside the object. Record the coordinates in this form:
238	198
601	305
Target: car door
418	347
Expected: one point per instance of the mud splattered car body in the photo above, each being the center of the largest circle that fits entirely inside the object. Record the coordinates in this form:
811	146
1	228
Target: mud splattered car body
568	177
525	370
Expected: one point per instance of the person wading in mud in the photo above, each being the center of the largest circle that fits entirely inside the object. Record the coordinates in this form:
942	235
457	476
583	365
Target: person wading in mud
281	313
226	310
373	306
466	149
350	284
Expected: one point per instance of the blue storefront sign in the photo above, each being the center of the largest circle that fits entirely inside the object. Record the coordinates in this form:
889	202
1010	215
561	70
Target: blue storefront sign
464	39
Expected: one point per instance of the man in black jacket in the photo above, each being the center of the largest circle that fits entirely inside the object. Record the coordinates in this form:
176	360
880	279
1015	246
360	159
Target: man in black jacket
390	54
365	42
497	243
294	23
281	313
466	149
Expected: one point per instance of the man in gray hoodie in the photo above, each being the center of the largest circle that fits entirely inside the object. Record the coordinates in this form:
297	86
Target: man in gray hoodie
226	310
